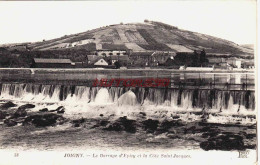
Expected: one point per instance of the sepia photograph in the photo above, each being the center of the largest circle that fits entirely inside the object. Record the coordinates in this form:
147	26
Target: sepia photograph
170	82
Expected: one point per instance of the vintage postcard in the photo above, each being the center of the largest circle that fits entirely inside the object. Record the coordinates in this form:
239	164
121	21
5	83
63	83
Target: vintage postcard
128	82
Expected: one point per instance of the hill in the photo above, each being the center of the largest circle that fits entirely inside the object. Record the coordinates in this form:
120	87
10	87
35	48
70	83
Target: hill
145	36
249	46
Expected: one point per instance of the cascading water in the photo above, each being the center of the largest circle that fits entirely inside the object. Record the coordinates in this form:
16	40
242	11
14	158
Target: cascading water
127	98
179	99
102	96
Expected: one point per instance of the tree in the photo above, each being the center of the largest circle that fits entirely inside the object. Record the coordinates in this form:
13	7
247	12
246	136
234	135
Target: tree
202	56
104	55
203	60
195	60
117	64
169	62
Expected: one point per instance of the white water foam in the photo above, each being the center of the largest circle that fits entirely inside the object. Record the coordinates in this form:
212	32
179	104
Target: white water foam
87	102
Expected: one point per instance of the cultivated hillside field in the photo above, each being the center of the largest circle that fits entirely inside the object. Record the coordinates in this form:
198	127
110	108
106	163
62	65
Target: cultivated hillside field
149	35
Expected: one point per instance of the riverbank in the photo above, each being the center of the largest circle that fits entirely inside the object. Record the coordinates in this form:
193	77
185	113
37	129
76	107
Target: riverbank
98	70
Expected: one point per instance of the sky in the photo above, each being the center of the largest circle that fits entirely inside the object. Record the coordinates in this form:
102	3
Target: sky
34	21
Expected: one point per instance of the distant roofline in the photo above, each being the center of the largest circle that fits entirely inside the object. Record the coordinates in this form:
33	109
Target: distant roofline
52	60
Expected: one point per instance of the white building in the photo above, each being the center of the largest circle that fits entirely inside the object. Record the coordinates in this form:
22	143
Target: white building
199	68
238	64
110	52
101	62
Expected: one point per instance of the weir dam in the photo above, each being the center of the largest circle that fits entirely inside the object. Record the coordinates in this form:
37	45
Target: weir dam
187	90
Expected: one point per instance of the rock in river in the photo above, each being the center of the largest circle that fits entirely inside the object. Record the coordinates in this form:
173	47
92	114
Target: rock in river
44	110
150	125
20	112
46	119
7	105
78	122
26	106
60	109
224	142
10	122
122	124
2	115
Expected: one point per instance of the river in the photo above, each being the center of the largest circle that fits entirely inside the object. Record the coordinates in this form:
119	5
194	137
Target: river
206	105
